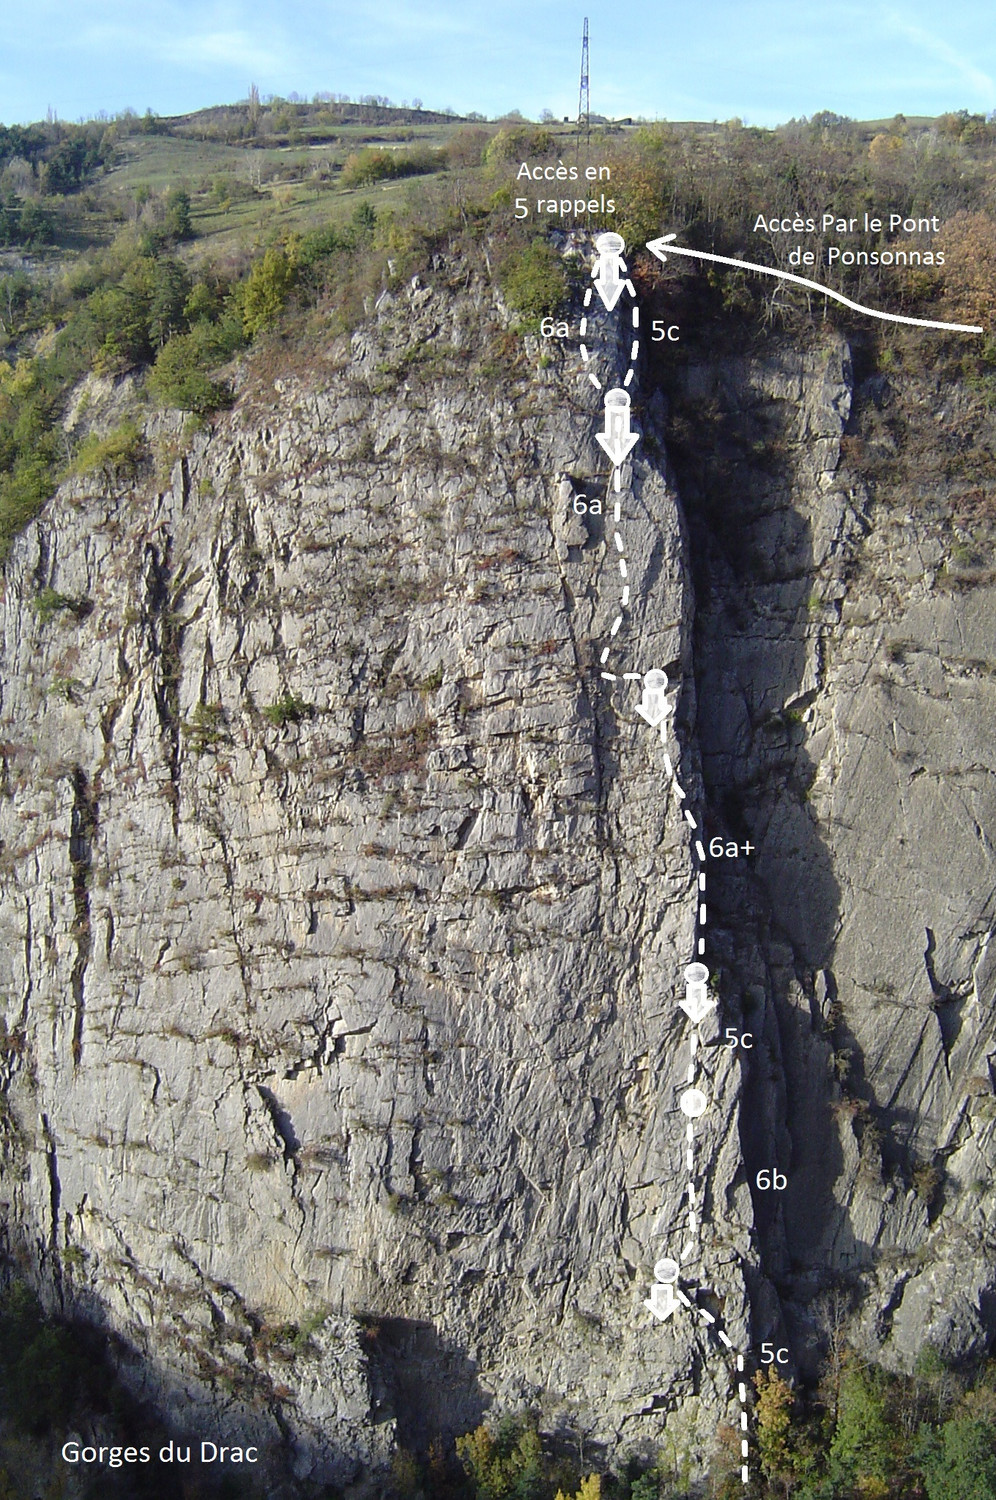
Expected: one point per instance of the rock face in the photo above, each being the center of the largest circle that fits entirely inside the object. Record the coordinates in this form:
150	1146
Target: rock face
345	903
344	908
844	671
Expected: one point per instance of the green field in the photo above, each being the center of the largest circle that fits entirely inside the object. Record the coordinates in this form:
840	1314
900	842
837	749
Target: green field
247	190
246	193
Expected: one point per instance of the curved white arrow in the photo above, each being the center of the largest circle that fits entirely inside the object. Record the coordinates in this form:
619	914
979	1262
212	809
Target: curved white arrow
662	248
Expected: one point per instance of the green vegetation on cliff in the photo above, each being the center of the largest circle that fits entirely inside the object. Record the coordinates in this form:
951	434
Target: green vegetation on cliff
142	274
174	316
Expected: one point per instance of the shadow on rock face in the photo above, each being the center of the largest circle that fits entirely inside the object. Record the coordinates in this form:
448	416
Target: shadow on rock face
752	483
245	1409
430	1387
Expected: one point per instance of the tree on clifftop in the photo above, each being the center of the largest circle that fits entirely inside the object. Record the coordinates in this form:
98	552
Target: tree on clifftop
969	245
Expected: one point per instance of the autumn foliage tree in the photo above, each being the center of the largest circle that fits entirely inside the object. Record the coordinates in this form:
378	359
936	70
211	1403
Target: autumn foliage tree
774	1427
969	245
591	1489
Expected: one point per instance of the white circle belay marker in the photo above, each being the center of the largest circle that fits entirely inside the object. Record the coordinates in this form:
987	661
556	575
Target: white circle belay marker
693	1103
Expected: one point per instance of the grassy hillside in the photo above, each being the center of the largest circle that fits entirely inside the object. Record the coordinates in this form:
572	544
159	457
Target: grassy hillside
241	190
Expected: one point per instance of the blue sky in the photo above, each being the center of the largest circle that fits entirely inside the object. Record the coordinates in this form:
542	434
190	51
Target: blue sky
708	59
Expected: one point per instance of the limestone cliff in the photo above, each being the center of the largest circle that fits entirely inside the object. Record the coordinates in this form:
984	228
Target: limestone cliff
342	917
344	904
845	681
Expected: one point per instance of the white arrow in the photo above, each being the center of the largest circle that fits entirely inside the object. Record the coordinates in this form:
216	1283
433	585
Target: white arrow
655	707
697	1002
610	287
695	1008
663	247
662	1301
617	448
617	440
609	271
610	292
657	247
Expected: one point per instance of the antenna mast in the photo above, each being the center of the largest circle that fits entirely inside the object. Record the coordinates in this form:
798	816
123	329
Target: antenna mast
584	100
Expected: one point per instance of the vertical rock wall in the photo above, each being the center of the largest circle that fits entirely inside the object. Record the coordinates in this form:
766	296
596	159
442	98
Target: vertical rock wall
344	905
343	913
844	666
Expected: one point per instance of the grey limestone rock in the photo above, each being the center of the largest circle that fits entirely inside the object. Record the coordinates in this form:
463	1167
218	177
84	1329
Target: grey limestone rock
344	905
344	910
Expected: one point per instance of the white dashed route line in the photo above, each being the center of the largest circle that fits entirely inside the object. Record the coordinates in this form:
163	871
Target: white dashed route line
626	588
694	1188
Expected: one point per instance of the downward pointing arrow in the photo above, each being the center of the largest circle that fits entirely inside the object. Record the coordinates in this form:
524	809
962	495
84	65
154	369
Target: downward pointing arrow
661	1301
617	440
653	716
617	447
609	272
609	291
696	1009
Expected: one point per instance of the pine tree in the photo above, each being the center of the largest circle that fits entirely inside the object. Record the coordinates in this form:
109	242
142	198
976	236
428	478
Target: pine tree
860	1452
959	1463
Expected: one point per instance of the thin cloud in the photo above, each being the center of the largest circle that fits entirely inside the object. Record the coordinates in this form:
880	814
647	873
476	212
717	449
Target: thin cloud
217	39
942	51
390	21
223	49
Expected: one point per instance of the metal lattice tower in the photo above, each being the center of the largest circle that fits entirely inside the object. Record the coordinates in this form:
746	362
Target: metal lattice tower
584	100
